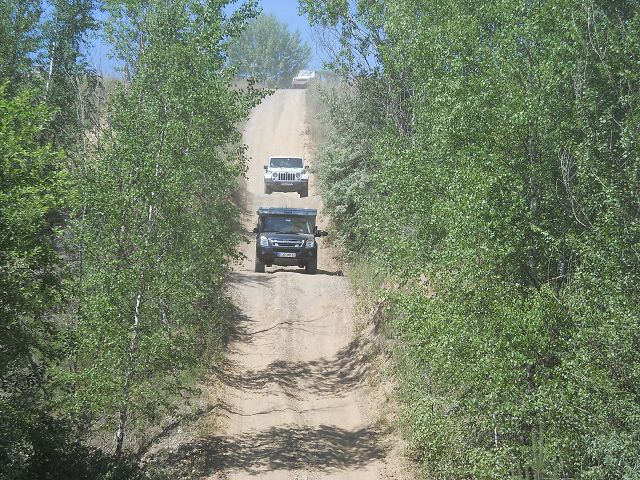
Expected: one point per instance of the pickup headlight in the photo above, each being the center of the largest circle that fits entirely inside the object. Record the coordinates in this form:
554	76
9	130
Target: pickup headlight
264	241
309	243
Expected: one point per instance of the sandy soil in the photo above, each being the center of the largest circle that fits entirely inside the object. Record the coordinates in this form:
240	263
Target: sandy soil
294	403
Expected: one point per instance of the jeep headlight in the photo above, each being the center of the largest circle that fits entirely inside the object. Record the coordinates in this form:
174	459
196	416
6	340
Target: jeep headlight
264	241
274	176
298	176
309	243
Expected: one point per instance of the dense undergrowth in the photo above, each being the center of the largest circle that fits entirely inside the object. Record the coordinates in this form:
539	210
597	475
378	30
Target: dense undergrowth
117	226
485	157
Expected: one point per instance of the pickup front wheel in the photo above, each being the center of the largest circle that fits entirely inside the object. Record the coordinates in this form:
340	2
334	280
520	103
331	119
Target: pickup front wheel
259	266
312	267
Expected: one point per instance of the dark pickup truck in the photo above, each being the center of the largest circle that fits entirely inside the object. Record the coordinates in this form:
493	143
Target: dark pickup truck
287	237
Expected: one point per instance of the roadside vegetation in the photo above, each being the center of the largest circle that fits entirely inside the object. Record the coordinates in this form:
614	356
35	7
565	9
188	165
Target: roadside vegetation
484	157
116	225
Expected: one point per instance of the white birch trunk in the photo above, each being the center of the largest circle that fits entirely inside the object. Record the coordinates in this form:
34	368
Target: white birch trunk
53	52
133	345
124	405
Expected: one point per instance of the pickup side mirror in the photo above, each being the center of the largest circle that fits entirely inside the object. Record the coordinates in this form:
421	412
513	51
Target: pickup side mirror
266	167
320	233
255	230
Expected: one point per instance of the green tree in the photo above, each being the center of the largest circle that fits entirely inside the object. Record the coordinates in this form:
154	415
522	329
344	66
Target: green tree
68	81
33	190
138	209
157	230
35	197
268	52
507	210
20	41
44	52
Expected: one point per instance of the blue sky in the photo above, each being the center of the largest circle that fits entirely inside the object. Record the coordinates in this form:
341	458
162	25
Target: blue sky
285	10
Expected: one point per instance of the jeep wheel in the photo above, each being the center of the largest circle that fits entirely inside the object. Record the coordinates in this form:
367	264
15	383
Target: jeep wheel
304	193
267	190
259	266
312	267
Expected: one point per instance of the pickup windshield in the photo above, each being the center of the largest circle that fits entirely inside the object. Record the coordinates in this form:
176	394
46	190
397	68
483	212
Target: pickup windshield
287	225
286	162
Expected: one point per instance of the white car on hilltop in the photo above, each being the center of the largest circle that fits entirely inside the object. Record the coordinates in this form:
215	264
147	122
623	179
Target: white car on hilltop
303	79
286	174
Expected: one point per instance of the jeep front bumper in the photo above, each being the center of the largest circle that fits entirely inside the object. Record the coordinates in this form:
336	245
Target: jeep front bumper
286	185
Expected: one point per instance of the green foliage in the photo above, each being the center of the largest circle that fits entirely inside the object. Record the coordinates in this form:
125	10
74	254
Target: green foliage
47	449
69	81
19	40
356	33
157	229
41	48
266	51
135	205
501	190
33	189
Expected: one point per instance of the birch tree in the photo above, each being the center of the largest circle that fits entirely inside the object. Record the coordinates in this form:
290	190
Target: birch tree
20	41
159	230
64	36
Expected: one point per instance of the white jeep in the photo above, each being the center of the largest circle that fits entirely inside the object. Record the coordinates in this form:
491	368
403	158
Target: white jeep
286	174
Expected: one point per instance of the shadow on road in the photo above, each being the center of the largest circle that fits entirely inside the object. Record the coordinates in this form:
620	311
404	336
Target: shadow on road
324	377
289	447
337	273
249	278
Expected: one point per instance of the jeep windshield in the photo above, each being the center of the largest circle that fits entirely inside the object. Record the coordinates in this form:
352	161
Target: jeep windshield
286	163
287	225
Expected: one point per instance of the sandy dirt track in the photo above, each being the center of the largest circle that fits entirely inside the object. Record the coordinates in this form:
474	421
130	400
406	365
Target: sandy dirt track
291	401
295	379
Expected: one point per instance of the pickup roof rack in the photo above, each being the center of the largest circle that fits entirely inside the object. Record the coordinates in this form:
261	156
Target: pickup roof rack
306	212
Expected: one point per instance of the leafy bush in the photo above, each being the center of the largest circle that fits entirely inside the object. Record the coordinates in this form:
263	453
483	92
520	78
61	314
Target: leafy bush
498	144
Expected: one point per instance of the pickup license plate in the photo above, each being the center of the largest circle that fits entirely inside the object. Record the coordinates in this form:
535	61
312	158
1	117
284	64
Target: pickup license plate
286	254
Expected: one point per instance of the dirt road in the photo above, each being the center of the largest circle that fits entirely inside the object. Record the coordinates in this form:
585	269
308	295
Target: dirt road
293	404
294	385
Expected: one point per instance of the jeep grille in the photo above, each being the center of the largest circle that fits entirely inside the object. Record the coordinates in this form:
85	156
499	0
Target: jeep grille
286	176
